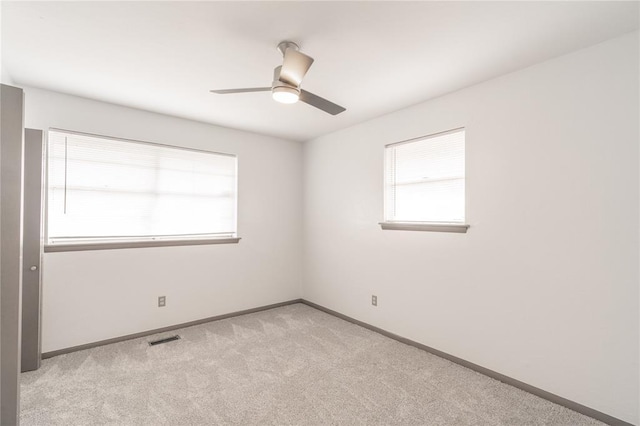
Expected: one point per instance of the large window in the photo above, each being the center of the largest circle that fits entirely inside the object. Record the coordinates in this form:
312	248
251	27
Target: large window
103	190
425	180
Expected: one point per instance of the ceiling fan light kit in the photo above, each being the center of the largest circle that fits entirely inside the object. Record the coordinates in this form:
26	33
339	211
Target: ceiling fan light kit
287	79
285	94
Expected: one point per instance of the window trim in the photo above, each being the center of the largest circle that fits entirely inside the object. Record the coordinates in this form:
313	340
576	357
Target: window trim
54	248
425	226
134	241
388	225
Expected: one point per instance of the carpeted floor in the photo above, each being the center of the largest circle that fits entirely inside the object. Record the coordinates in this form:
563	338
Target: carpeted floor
292	365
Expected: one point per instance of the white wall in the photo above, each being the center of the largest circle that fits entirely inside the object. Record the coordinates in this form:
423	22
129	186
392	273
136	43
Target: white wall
5	78
544	287
95	295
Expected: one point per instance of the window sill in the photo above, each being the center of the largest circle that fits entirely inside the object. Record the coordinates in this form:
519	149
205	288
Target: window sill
136	244
424	226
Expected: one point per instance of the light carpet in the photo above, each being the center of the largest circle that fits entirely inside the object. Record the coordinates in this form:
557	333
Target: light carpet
292	365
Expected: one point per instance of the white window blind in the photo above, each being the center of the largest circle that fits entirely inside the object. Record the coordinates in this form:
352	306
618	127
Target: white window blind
104	189
425	179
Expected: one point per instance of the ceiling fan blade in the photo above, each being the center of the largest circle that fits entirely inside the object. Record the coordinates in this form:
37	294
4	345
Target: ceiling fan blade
247	90
320	103
294	67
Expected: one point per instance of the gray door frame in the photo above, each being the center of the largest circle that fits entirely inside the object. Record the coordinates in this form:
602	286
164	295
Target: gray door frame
32	244
11	163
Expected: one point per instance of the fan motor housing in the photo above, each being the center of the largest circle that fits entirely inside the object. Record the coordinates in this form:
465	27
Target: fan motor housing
278	83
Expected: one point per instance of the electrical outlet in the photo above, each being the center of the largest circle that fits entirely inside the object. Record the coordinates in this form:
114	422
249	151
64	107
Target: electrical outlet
162	301
374	300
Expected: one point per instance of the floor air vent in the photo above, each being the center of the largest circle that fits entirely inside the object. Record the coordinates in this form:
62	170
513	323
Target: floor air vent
164	340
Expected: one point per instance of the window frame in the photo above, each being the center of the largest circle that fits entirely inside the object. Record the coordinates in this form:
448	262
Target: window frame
397	225
128	242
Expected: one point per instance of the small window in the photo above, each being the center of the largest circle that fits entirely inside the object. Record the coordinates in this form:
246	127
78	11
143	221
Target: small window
425	180
105	190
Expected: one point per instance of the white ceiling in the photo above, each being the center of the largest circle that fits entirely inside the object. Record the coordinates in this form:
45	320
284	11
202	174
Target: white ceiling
370	57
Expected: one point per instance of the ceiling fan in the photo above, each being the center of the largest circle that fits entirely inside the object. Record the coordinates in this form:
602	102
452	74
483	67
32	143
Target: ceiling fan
287	79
